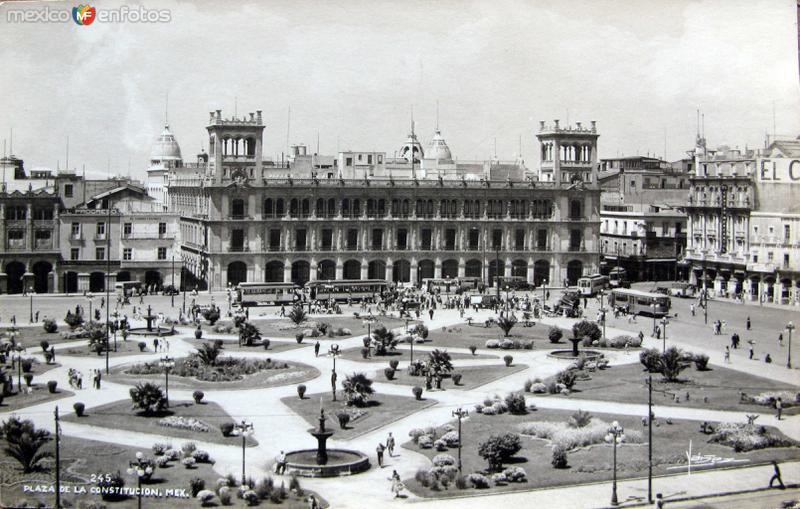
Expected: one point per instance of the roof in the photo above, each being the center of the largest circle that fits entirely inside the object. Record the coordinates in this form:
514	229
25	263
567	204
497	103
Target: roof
166	147
116	190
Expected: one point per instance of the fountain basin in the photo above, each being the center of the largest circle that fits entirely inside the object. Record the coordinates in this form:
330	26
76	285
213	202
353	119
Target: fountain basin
154	331
567	354
340	462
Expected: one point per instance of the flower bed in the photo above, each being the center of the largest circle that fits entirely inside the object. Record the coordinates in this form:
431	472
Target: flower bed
747	437
561	434
190	423
225	369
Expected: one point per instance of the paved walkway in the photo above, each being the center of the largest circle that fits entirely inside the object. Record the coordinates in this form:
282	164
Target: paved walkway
273	419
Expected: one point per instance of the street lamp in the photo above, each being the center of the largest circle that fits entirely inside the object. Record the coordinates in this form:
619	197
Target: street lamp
460	414
615	435
167	363
17	357
603	311
172	290
507	303
89	298
653	307
142	470
664	323
334	353
245	430
30	292
790	328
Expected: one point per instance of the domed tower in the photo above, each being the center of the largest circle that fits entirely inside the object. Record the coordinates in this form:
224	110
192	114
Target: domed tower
166	151
438	149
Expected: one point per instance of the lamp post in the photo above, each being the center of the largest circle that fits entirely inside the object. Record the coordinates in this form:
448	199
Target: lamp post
183	287
790	328
664	323
603	311
460	414
334	353
30	292
497	271
141	469
411	343
89	298
172	290
507	303
615	435
705	303
17	356
544	290
167	363
650	439
245	430
653	307
58	459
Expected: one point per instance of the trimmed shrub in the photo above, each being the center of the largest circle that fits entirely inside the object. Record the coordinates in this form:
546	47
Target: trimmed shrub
44	344
492	343
265	342
441	460
394	363
224	494
478	481
79	408
142	346
250	497
198	396
301	391
554	334
226	428
343	416
51	386
567	378
159	449
456	378
559	459
417	391
201	456
425	441
111	483
515	402
389	373
196	485
189	462
473	348
49	325
701	361
299	337
508	359
461	482
498	449
205	497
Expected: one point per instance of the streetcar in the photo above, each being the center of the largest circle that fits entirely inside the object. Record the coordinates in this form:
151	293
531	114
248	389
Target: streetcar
591	285
344	289
638	302
618	278
440	284
266	294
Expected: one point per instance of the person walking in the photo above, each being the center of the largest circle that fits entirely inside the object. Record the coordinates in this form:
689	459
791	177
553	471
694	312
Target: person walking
748	323
691	308
727	355
735	341
752	351
397	485
280	463
379	451
780	339
641	337
776	476
390	444
312	502
430	313
778	408
316	349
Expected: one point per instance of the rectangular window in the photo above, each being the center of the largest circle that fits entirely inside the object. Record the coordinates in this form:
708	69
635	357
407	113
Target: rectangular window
274	240
162	228
369	159
127	229
75	230
327	238
425	238
352	238
127	253
474	239
497	239
100	253
100	229
68	191
162	253
575	238
377	239
519	239
300	239
450	239
42	235
16	234
787	233
785	260
541	240
402	238
43	214
770	256
349	161
75	253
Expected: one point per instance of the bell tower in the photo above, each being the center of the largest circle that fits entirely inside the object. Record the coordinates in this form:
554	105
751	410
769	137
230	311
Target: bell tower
234	147
568	154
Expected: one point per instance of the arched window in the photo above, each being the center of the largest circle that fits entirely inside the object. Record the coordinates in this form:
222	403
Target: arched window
269	208
294	208
279	207
575	211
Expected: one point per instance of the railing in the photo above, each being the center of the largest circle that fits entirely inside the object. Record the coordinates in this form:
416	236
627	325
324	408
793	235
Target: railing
238	249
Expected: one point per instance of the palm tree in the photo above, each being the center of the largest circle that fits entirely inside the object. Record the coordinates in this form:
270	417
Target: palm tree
506	324
24	443
439	361
357	387
383	339
208	353
248	333
297	315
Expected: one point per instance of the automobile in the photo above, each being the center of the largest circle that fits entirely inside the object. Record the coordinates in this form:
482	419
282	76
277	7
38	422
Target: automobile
169	290
483	301
661	289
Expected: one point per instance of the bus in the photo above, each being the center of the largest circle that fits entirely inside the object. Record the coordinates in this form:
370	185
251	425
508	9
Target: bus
512	282
440	284
265	294
640	303
591	285
344	289
469	283
618	278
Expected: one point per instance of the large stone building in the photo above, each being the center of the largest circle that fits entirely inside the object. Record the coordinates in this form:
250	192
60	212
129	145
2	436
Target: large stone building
743	221
402	218
643	225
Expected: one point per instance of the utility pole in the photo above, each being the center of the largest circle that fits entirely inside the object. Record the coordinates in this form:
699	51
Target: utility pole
172	292
108	277
650	439
58	461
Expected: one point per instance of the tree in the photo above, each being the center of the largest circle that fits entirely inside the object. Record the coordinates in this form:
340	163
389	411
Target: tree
248	333
587	329
73	320
672	362
498	449
651	360
208	353
383	340
148	397
506	324
297	315
211	314
554	334
357	387
97	336
439	361
24	442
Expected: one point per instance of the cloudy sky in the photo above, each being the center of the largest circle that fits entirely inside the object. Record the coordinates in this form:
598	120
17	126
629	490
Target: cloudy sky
351	71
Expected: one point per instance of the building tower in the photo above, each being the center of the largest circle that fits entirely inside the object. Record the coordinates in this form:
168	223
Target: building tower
234	147
568	154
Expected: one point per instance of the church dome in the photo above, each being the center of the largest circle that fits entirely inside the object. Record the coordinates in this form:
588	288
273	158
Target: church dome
165	148
438	148
412	146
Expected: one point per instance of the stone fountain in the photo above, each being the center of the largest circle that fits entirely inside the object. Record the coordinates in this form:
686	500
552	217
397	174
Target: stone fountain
149	330
322	435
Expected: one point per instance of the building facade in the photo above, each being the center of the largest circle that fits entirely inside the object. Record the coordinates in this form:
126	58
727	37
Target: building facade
243	220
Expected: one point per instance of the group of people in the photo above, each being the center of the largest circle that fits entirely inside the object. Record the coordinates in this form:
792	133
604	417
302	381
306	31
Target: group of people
76	378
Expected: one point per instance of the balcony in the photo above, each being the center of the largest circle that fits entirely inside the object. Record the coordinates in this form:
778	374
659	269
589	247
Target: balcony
239	249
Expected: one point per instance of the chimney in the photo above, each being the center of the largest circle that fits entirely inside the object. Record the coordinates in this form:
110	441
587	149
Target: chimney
251	116
579	125
594	125
555	122
258	116
541	125
211	117
219	114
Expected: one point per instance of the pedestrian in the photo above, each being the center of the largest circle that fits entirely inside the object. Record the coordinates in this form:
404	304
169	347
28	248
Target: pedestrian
397	485
778	408
752	352
748	323
390	444
312	502
280	463
776	476
155	344
780	339
727	355
641	337
316	349
768	359
379	451
430	313
36	319
283	311
735	341
691	308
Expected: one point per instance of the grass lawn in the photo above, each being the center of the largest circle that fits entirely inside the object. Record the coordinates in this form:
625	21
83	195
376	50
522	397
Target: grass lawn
354	354
463	335
119	415
32	335
82	459
722	386
40	394
124	348
296	373
233	346
382	410
471	377
284	328
590	464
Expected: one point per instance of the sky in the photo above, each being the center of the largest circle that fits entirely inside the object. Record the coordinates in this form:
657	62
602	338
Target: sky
352	71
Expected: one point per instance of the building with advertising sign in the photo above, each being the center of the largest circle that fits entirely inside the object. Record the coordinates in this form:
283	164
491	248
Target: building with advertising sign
743	218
